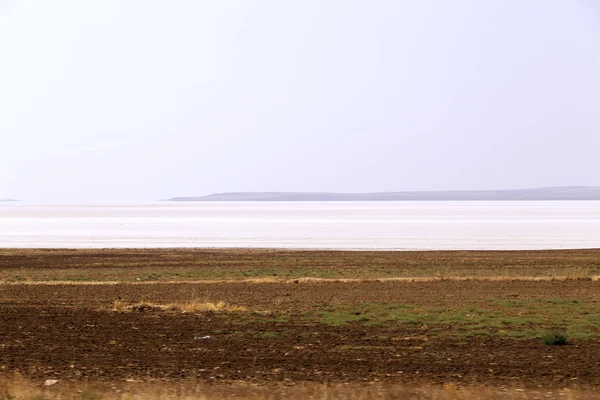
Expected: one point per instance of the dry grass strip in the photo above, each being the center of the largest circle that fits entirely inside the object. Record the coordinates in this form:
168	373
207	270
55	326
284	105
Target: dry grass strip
192	306
17	388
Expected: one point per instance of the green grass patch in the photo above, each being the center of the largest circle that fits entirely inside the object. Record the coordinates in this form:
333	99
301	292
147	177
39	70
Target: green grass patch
341	318
279	319
308	335
523	318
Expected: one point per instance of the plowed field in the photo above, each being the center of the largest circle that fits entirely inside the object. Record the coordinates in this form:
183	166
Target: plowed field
462	331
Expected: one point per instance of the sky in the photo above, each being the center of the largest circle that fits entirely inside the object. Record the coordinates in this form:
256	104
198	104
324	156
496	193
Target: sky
140	100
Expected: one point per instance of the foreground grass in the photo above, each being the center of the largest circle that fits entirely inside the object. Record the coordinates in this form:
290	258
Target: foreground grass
162	265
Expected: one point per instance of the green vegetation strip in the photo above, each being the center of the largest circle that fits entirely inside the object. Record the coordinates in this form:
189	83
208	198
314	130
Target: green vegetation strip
520	319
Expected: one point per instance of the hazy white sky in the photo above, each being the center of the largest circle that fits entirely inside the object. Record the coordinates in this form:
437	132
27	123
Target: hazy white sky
130	100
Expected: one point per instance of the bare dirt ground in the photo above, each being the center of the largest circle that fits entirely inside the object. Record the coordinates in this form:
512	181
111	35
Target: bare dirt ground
302	331
70	331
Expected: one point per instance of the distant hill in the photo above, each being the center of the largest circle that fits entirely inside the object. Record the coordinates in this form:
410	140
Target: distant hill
549	193
7	200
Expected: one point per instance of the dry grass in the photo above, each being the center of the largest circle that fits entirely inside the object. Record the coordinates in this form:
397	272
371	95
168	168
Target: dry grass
21	389
200	306
190	306
498	278
119	305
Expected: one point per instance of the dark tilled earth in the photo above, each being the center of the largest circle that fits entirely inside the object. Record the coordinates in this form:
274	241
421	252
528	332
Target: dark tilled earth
72	332
175	264
296	297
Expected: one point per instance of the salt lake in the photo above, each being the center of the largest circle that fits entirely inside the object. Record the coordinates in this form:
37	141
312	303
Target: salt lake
436	225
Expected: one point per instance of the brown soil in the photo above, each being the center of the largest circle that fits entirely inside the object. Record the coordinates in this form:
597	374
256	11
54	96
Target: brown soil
199	264
296	297
72	332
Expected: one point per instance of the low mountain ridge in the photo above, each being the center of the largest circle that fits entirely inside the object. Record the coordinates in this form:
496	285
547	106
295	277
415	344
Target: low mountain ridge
547	193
